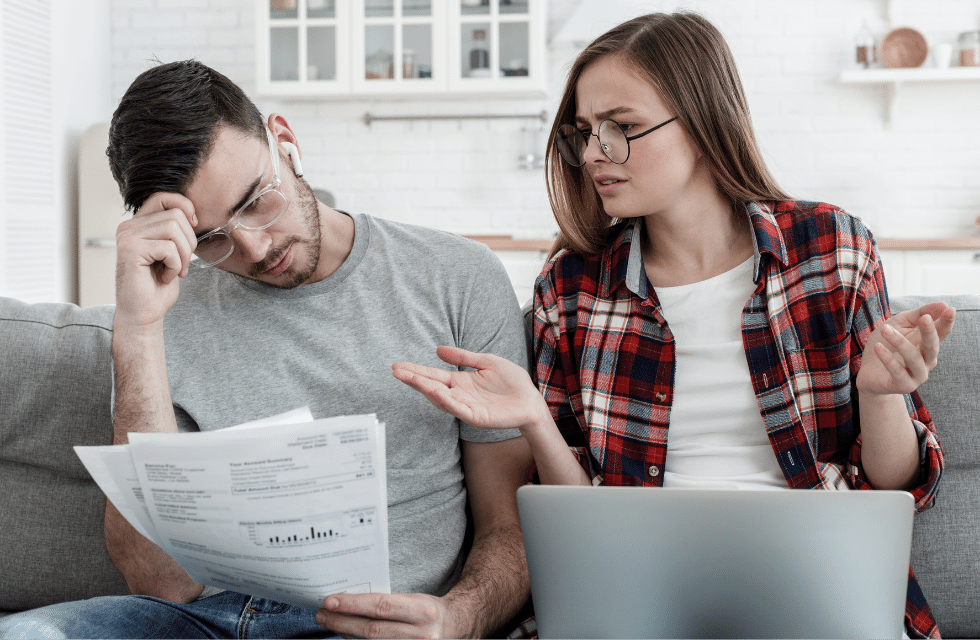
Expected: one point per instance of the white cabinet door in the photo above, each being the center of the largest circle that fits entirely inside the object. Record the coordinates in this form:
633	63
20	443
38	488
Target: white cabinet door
942	272
496	46
401	47
398	46
303	47
523	268
894	264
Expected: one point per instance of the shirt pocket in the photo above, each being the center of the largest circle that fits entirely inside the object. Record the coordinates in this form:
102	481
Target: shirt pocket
820	376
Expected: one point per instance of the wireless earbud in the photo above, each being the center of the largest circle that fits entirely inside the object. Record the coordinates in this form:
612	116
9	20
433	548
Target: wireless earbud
294	156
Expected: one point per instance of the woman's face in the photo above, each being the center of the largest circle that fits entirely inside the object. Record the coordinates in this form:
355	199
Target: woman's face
664	170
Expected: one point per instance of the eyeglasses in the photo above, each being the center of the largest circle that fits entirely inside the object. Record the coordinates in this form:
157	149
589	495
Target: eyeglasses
615	144
259	213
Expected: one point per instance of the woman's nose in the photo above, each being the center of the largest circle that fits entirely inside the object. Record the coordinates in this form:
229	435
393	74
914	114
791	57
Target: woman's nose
593	151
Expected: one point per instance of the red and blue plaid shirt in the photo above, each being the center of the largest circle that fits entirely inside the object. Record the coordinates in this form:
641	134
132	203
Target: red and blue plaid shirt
605	356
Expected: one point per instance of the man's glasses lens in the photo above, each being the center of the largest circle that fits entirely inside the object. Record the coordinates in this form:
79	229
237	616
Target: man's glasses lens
572	142
258	214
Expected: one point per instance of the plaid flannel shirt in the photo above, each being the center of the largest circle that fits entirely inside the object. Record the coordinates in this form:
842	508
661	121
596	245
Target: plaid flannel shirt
605	356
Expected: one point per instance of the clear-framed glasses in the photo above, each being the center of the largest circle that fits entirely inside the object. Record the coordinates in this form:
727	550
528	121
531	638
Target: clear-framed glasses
615	144
259	213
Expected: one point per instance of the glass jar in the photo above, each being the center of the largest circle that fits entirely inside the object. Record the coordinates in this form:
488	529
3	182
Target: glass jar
864	43
969	42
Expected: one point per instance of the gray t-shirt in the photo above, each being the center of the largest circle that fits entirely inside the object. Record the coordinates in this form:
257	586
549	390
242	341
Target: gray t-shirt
239	350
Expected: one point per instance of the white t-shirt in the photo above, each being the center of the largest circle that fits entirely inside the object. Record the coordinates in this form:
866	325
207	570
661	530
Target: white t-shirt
716	438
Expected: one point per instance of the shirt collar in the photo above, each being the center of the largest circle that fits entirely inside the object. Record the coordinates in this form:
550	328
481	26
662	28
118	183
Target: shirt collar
626	261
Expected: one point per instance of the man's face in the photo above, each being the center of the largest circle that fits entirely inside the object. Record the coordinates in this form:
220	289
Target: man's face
287	253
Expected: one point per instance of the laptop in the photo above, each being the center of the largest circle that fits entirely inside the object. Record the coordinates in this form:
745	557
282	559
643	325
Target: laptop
635	562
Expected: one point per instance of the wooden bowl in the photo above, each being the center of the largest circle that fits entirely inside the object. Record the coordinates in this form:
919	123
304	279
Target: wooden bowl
903	48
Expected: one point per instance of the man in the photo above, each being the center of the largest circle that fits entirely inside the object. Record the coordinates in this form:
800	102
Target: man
240	296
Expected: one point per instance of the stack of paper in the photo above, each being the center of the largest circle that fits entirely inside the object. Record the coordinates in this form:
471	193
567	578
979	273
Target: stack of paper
290	508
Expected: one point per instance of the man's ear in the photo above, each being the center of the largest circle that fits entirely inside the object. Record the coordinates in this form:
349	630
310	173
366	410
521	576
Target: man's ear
284	136
294	156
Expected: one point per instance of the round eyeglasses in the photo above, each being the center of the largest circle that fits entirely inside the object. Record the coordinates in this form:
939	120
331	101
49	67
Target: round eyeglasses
613	141
259	213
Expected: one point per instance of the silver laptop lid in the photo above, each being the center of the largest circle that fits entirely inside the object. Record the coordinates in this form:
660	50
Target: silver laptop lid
634	562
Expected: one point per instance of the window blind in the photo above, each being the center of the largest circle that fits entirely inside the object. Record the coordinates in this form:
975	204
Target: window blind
29	220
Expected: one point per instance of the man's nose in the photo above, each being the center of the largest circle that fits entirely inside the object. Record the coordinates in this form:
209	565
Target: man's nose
253	243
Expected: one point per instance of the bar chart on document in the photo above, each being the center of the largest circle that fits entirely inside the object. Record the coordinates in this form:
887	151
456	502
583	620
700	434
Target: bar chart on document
329	528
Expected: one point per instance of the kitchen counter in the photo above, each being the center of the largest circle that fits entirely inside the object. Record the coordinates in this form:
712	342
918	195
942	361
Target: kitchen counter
509	243
915	266
915	244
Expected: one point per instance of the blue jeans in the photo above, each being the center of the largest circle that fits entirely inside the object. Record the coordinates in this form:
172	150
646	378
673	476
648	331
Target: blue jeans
223	615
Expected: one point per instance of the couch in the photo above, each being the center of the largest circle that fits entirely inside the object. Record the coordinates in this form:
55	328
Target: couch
55	381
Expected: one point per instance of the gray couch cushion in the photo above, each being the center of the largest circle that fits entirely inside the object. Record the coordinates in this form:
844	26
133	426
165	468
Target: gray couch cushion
55	382
946	538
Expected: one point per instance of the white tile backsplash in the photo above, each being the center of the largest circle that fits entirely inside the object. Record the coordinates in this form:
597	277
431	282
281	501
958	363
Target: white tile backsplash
824	140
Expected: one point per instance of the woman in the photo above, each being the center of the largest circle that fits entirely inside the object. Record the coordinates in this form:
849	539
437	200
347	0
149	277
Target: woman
688	295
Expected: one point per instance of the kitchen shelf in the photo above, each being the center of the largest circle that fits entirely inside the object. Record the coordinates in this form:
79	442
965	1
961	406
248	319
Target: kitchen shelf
931	74
893	79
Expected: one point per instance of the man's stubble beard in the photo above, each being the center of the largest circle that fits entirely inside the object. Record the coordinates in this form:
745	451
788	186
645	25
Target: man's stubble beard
309	208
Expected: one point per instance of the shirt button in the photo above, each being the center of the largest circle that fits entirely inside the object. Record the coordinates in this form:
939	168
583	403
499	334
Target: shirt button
661	396
654	471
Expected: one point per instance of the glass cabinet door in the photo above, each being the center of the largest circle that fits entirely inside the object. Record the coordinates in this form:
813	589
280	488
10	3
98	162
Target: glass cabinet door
494	39
373	47
399	45
303	53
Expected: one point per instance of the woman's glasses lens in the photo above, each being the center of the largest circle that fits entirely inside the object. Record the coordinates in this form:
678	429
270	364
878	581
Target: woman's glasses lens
613	142
572	143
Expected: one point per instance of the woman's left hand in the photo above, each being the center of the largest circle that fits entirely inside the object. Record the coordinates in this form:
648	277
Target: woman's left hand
903	350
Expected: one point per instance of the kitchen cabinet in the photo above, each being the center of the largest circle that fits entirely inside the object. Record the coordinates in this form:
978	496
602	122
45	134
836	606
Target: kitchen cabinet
523	260
364	48
523	268
928	266
932	272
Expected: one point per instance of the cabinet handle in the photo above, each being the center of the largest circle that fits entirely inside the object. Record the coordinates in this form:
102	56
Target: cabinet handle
107	243
976	257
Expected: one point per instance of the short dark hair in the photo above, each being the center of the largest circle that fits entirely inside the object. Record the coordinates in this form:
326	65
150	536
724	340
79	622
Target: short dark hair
166	124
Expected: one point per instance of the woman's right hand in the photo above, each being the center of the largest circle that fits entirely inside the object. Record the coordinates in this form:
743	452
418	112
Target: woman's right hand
497	395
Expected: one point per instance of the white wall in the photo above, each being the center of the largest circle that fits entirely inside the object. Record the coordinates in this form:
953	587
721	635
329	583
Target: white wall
824	140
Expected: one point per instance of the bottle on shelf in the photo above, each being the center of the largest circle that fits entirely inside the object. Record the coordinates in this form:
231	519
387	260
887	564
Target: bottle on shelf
969	42
479	56
864	43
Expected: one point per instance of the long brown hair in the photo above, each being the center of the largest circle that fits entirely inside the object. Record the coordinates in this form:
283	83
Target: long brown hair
686	59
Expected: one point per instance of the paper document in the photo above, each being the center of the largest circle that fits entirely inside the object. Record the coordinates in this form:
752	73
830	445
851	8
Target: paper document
291	512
